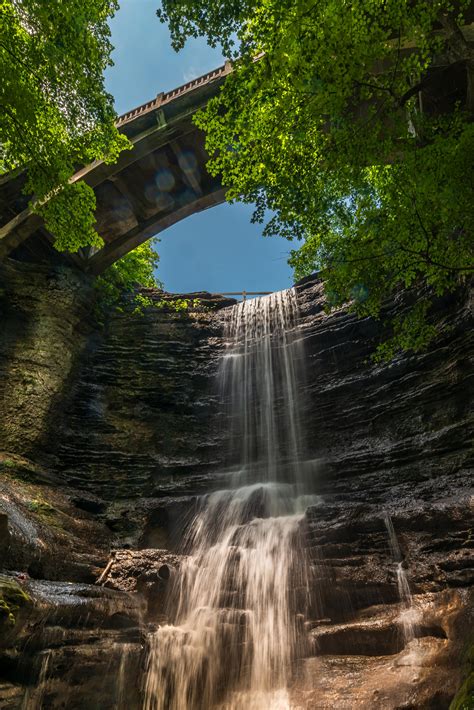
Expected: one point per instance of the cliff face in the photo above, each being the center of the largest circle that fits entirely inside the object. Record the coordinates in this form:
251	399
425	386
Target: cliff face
106	434
107	437
393	447
43	326
143	403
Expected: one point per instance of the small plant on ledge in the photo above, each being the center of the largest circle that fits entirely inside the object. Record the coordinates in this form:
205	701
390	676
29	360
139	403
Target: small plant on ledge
120	287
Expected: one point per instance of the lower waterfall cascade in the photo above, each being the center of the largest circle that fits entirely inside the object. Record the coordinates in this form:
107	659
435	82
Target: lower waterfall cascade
232	630
409	614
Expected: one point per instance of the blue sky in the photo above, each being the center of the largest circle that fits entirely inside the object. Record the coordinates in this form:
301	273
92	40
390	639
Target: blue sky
219	249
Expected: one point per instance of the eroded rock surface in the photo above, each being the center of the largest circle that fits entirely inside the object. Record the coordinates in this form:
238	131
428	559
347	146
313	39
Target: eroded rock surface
69	646
109	435
44	322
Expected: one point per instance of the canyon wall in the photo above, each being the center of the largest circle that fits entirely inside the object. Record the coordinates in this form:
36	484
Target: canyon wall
390	440
109	433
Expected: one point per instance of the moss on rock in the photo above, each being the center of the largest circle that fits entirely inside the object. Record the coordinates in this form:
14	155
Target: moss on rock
464	698
12	599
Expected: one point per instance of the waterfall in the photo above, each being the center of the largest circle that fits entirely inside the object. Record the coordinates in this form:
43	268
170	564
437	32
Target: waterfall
127	652
408	615
232	632
33	699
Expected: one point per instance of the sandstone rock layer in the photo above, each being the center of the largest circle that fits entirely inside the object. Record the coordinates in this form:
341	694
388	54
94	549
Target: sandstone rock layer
109	434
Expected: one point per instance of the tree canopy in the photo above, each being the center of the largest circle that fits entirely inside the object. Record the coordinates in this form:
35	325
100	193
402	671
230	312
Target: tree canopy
55	114
352	123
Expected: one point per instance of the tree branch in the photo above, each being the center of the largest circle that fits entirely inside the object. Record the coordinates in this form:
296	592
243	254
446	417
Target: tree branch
461	51
426	257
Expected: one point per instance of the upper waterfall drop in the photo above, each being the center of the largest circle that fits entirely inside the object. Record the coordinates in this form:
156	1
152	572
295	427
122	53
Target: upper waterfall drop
232	631
259	383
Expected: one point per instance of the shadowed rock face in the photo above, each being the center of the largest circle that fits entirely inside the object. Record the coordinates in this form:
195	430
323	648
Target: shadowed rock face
44	321
109	435
143	403
410	418
387	439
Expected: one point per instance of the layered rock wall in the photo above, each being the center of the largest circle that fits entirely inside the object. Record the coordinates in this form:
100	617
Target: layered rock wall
44	319
97	426
392	448
108	434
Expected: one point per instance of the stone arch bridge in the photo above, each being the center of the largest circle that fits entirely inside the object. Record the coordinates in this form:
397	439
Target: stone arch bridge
157	183
163	178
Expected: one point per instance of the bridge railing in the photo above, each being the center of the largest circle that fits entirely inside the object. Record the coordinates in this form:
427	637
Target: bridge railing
166	96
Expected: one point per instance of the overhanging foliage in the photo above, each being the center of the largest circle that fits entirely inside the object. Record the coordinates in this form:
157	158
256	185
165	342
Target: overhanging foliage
352	123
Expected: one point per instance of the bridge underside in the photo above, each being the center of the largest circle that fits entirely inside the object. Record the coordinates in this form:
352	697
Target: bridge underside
159	182
151	194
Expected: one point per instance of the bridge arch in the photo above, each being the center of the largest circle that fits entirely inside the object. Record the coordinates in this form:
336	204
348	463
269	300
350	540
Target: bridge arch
160	181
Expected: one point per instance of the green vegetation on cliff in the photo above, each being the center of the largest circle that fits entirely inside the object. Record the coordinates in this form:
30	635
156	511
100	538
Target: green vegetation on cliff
464	699
122	283
12	599
137	268
337	120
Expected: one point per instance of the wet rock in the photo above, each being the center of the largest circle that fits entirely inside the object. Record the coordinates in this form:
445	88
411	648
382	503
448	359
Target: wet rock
68	604
349	545
48	537
11	695
71	645
358	666
4	537
147	572
121	433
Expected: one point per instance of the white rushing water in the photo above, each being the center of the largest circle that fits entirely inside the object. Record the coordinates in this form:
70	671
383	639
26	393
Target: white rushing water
33	699
233	626
409	615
